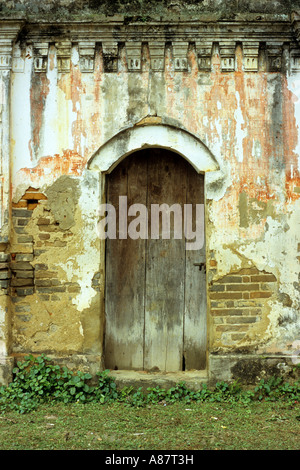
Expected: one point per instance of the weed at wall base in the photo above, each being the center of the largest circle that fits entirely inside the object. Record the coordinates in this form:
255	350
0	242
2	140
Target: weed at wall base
37	380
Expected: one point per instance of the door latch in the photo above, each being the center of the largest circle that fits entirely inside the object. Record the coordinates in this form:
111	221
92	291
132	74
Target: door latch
202	266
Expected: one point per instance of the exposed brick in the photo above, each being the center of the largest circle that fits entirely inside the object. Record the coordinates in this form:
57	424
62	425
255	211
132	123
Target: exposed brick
34	195
44	236
248	271
43	221
38	252
24	257
32	205
226	295
22	222
4	283
45	274
263	278
24	291
16	282
24	318
59	289
217	288
48	228
45	297
23	308
236	320
74	289
20	265
24	274
226	312
43	282
60	243
22	203
25	239
20	230
44	290
230	279
54	297
225	328
4	265
40	267
5	274
51	289
242	287
21	213
19	248
254	295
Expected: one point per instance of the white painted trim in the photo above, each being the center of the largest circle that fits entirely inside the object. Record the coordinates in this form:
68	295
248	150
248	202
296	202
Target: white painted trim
139	137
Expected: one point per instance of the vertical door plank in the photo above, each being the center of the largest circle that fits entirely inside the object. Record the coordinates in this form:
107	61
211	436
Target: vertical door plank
165	262
195	286
125	274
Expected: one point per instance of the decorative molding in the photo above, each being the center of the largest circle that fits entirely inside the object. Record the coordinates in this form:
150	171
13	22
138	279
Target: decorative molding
134	56
110	55
40	60
294	59
87	55
227	54
274	34
157	55
9	30
204	51
250	56
63	56
180	52
5	54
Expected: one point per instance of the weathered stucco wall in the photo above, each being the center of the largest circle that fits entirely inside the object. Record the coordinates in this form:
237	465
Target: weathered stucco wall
61	113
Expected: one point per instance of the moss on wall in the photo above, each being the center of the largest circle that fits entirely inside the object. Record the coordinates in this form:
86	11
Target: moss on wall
140	10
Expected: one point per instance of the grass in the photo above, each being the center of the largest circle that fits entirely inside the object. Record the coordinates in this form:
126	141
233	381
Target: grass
176	426
47	407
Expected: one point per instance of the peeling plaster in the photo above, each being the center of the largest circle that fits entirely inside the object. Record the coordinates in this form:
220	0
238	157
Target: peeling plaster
293	83
241	133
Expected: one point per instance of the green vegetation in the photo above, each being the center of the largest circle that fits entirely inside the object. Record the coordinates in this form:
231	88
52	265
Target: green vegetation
50	407
37	381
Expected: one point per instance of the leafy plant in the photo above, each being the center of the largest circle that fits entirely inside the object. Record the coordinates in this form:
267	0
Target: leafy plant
37	380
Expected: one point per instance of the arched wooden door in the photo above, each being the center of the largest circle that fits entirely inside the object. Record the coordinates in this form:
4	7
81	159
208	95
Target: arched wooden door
155	300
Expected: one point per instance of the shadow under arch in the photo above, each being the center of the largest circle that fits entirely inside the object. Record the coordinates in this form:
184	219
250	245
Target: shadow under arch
140	137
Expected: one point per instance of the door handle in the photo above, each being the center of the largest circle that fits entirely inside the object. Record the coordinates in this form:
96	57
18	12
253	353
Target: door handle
201	266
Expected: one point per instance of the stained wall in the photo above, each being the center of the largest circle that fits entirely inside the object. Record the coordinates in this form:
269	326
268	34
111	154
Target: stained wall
52	264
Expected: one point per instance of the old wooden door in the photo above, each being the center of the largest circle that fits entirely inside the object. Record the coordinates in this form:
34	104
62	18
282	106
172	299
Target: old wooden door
155	301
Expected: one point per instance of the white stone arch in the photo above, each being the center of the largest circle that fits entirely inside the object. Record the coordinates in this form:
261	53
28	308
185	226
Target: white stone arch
139	137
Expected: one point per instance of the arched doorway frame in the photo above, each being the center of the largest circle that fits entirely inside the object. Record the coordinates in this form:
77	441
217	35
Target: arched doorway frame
140	137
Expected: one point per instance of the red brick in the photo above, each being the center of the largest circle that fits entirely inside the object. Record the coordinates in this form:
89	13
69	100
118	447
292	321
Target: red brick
34	196
226	295
257	295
